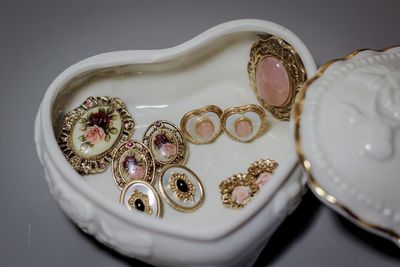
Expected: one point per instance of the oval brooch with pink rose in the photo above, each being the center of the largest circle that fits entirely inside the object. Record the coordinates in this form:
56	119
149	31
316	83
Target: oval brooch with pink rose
91	133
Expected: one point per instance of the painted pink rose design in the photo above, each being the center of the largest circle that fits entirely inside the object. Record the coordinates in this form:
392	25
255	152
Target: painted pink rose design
262	179
241	194
164	145
136	173
94	134
168	150
132	167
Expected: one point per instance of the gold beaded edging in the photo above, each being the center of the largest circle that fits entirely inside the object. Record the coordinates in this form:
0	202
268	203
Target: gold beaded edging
144	198
160	209
287	55
98	163
185	196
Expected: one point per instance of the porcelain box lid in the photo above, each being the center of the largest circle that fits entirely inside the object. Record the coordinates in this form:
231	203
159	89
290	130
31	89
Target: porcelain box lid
347	120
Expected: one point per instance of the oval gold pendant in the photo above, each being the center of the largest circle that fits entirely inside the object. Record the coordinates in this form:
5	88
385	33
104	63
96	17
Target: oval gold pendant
132	161
166	143
141	196
181	188
91	133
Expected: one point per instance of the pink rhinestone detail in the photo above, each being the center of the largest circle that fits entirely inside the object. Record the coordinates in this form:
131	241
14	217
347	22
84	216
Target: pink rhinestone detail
89	103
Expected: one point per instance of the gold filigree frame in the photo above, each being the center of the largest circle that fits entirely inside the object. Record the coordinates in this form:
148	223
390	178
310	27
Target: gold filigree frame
263	165
170	201
185	196
98	163
242	110
227	186
117	157
160	209
199	112
144	198
181	153
287	55
312	182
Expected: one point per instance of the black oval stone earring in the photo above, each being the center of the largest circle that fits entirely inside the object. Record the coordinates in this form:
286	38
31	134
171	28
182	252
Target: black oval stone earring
141	196
181	188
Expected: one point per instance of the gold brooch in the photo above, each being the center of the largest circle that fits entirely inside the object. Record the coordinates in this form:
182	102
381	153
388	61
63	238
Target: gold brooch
276	74
166	143
91	133
132	161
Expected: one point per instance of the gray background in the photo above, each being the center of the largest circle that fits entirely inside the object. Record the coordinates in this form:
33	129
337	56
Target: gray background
39	39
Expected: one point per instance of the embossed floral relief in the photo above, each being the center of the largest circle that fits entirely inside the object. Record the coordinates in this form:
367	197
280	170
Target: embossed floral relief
382	126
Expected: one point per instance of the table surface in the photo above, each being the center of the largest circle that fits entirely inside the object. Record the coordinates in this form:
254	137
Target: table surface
39	39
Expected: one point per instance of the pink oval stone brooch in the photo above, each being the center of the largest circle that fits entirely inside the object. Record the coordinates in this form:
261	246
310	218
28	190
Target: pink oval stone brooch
239	189
276	74
92	132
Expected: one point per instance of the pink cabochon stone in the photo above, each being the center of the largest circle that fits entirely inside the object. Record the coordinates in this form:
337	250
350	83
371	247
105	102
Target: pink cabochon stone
205	129
272	81
243	128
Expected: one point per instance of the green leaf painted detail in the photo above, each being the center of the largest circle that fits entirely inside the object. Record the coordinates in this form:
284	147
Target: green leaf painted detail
113	130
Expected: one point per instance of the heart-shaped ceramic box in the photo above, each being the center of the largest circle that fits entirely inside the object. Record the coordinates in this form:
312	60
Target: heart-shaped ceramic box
164	84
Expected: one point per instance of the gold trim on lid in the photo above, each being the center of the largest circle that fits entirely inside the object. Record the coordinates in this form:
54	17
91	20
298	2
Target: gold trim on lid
312	182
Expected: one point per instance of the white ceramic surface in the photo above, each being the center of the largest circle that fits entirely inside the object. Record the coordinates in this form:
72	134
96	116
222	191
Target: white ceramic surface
350	136
164	84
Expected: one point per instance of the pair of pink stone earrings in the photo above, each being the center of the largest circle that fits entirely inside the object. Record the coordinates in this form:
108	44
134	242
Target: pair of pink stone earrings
243	123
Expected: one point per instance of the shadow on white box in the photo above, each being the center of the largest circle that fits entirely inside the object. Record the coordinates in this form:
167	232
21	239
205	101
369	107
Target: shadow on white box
164	84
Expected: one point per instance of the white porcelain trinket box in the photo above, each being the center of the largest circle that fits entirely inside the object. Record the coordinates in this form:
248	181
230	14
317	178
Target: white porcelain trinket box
163	85
347	135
